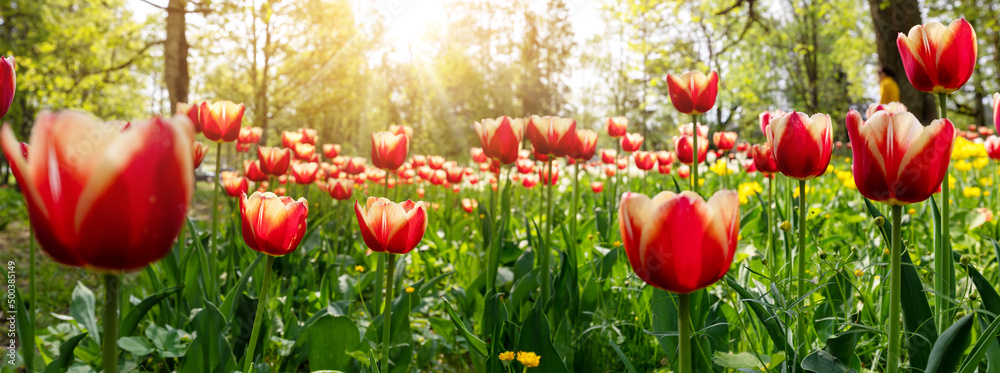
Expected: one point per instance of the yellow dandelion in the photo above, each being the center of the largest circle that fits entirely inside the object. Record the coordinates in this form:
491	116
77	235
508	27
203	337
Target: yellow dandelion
911	211
746	191
409	289
721	168
963	166
886	251
980	162
507	356
359	268
847	160
529	359
859	272
986	181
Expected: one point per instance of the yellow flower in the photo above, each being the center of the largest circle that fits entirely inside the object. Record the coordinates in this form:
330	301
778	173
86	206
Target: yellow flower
795	192
971	192
721	168
985	181
963	166
618	243
747	190
847	160
911	211
829	168
409	289
507	356
951	181
859	273
359	268
980	162
529	359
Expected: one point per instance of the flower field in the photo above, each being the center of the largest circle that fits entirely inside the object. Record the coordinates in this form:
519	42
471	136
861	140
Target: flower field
866	243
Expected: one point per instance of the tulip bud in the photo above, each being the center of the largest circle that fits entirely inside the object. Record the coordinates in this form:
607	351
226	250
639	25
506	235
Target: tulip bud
390	227
879	221
938	58
785	226
221	121
964	259
693	92
8	83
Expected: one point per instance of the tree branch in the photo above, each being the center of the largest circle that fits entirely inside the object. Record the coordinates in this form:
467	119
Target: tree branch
154	5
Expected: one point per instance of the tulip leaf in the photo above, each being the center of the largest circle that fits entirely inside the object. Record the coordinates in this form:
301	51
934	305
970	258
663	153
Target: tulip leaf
535	338
131	320
775	328
210	351
25	329
329	339
621	356
822	362
950	347
82	310
917	317
988	337
477	344
66	357
228	305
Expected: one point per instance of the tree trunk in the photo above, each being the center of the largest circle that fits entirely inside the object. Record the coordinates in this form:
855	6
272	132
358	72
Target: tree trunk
176	52
891	17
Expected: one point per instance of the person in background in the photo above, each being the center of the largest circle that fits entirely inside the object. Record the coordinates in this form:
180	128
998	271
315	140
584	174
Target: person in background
888	88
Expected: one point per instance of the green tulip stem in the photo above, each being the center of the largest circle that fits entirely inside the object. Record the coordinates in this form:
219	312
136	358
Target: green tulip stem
112	297
801	275
684	332
543	261
261	305
694	153
387	312
895	282
943	261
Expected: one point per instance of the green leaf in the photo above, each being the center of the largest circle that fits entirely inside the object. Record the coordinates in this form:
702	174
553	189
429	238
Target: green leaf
775	329
535	338
621	356
131	320
228	305
168	341
950	347
82	310
988	336
25	329
137	346
210	351
477	344
66	357
329	340
742	360
822	362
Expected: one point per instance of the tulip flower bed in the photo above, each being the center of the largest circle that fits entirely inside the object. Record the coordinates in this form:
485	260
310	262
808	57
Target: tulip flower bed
537	252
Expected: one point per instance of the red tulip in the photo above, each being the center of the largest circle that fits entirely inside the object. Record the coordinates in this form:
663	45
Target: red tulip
24	149
664	169
501	137
552	135
892	107
586	145
304	151
469	205
389	150
246	136
622	163
331	150
801	145
631	142
684	149
617	126
290	139
273	225
609	156
438	177
664	157
235	186
543	175
454	174
340	189
936	58
763	159
688	129
355	165
525	166
680	242
392	228
435	162
742	147
898	161
309	135
274	161
992	145
766	117
597	186
199	151
473	179
749	166
610	170
253	172
305	173
221	121
401	130
8	83
644	160
191	112
115	205
684	171
724	140
529	181
693	92
478	155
